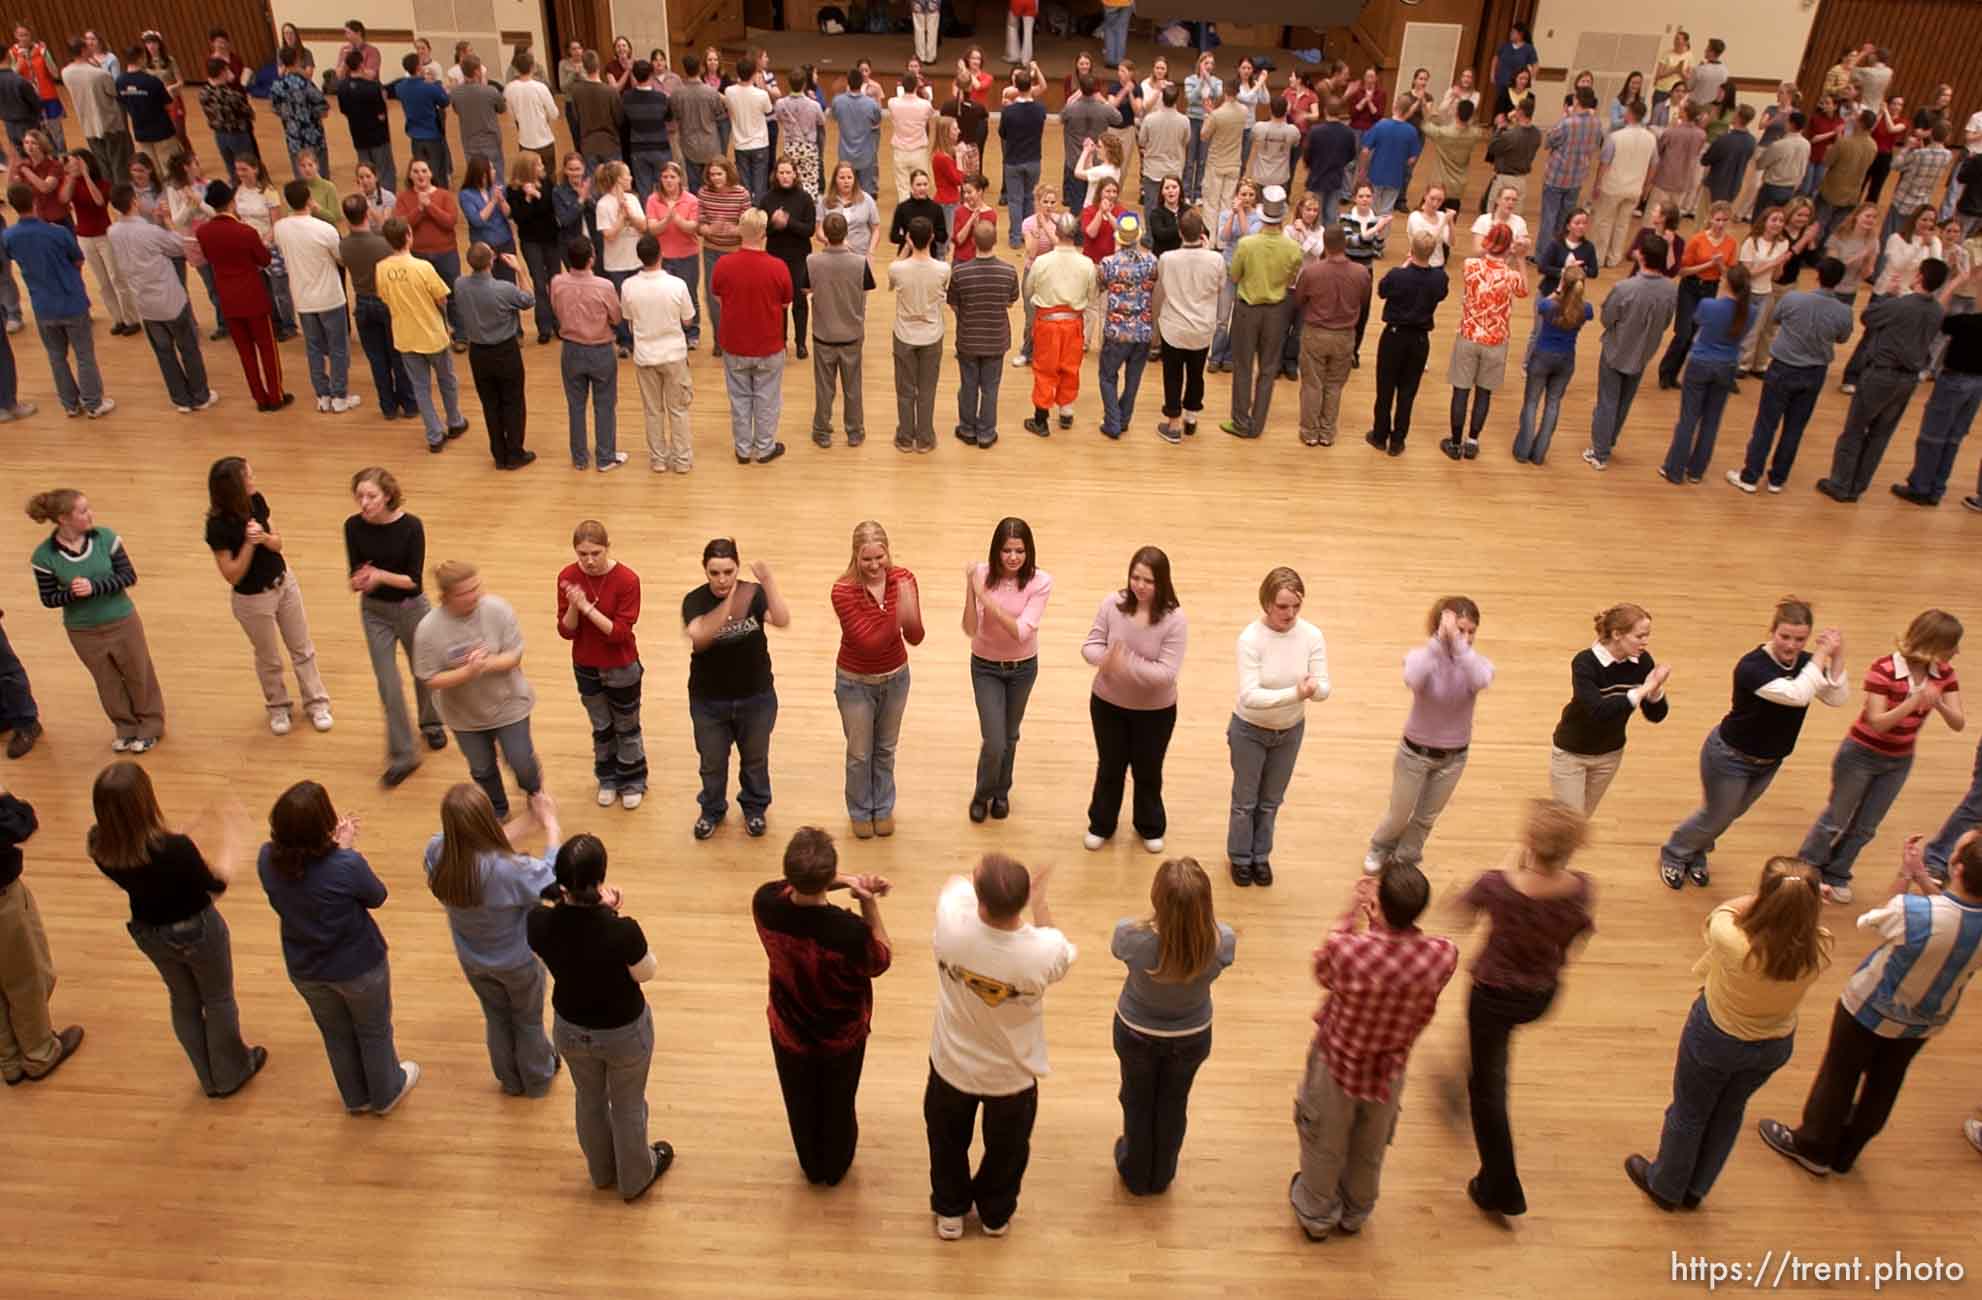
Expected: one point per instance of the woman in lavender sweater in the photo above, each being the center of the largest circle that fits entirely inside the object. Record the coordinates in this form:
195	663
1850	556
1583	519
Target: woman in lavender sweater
1445	676
1137	648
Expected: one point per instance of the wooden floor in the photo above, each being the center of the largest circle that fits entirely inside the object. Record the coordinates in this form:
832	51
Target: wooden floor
127	1182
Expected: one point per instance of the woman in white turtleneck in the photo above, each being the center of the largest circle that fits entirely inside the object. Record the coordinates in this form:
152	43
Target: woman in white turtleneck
1283	663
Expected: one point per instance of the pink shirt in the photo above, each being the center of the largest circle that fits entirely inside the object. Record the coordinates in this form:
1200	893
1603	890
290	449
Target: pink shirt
674	241
911	114
1025	604
1148	679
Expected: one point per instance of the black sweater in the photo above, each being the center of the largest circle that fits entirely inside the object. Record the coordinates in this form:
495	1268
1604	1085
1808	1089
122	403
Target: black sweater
17	823
1600	702
908	210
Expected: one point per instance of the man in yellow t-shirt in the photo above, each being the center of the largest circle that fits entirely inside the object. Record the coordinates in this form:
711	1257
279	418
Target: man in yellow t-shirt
1264	267
417	298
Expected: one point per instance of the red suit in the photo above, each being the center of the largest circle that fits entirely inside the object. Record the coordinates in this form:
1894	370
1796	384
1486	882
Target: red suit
238	255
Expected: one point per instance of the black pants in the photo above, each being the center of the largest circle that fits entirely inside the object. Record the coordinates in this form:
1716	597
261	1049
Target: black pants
1492	1014
1156	1094
1125	741
545	260
1482	402
1876	174
951	1117
498	372
819	1104
1692	292
1869	423
1183	381
1401	354
1838	1119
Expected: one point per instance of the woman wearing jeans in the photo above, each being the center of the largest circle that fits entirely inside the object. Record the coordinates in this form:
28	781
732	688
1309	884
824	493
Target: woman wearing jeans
598	602
268	603
1558	322
1445	675
1283	663
386	551
175	924
1902	690
880	609
1137	648
1163	1018
1004	600
489	891
1763	953
324	892
598	960
1609	680
1718	326
1536	909
731	700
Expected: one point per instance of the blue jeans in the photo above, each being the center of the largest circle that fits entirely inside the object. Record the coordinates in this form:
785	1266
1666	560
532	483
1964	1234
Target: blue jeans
1863	787
622	333
646	164
1020	180
754	168
756	399
871	717
1789	395
609	1077
81	389
1115	34
196	960
591	371
1712	1080
1001	690
1262	765
1730	785
978	379
689	271
276	277
389	377
423	372
1966	817
241	144
1157	1073
1127	359
1945	422
355	1018
1548	379
1557	202
513	1016
479	748
1701	402
327	349
1194	159
746	724
449	267
1772	196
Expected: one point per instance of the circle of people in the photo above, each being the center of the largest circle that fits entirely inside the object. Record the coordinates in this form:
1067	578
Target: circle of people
709	189
519	920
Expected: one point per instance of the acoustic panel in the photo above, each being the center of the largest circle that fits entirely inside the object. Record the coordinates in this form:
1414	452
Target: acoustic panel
1434	46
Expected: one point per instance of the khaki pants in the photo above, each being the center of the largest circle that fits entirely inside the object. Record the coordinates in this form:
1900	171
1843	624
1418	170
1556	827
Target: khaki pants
1219	189
1761	332
665	391
118	298
1325	357
1580	780
1675	201
1502	181
274	621
1610	226
1343	1141
27	979
907	163
119	662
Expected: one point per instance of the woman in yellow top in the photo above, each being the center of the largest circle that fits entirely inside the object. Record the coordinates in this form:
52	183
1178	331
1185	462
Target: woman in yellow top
1764	952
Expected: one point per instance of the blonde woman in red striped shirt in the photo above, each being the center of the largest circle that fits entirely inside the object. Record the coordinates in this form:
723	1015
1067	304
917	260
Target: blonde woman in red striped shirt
880	613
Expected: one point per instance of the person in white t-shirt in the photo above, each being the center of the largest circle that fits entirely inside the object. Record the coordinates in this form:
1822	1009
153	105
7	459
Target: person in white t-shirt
310	251
656	305
749	102
989	1044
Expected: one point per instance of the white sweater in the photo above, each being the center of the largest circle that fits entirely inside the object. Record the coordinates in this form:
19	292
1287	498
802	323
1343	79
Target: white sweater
1271	665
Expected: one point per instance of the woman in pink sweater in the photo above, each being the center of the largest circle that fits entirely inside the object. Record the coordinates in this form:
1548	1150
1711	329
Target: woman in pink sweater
1004	600
1445	676
1137	648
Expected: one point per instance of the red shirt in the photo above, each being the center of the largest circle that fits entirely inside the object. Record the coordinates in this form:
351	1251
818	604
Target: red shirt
617	594
1383	987
871	636
823	964
754	289
1886	685
948	178
92	215
1100	245
49	207
964	247
432	223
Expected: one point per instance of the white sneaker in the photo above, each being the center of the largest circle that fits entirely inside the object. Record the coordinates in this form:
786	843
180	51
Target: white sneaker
1092	841
352	401
103	408
119	745
949	1227
1019	363
183	410
630	799
1972	1130
606	796
323	404
212	399
412	1069
1155	845
320	719
1734	477
1840	893
1772	485
1372	865
1590	459
279	723
999	1231
1847	389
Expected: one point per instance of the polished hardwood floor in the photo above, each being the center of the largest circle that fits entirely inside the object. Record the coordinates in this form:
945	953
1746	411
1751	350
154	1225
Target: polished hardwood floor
126	1181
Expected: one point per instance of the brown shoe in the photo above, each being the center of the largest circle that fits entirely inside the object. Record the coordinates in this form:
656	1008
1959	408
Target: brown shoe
884	826
70	1039
23	739
863	830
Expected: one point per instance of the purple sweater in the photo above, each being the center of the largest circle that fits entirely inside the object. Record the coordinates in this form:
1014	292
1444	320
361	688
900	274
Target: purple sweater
1444	684
1148	679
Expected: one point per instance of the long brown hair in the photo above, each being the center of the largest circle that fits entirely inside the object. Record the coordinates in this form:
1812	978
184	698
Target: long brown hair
1736	277
129	824
468	829
1785	942
1165	600
302	828
227	489
1186	926
1934	635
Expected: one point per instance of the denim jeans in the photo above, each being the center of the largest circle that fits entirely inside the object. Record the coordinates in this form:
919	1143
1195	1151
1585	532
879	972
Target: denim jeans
689	271
10	377
1789	395
1001	690
1020	181
1492	1015
1950	413
646	163
1863	787
622	333
754	171
1692	292
1262	765
950	1116
196	960
241	144
746	724
1157	1073
1730	785
1420	787
82	389
355	1018
871	716
327	348
1557	202
389	378
1615	393
611	697
756	399
978	379
513	1016
1708	384
1966	816
609	1076
1548	379
1115	34
591	372
1712	1080
1194	159
1119	356
176	345
479	748
425	371
449	267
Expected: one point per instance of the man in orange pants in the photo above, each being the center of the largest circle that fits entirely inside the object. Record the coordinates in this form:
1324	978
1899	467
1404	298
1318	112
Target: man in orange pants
1062	284
238	255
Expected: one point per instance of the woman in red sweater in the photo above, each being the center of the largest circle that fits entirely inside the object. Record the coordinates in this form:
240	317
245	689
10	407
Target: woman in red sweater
431	214
880	614
598	602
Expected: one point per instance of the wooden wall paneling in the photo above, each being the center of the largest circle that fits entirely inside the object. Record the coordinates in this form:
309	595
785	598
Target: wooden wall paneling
183	24
1931	41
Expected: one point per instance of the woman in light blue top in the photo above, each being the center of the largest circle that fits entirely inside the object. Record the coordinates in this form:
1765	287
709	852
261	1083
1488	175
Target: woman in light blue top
485	207
1163	1019
1718	327
489	890
1559	318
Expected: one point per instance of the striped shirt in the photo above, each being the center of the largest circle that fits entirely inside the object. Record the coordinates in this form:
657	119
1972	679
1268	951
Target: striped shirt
1888	682
1911	984
722	207
871	637
982	291
1573	144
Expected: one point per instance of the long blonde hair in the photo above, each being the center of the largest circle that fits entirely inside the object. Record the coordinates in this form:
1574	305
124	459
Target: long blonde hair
468	829
1569	297
1183	920
866	533
1785	941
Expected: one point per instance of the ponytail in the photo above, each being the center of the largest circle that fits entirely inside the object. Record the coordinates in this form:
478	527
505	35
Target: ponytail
1737	280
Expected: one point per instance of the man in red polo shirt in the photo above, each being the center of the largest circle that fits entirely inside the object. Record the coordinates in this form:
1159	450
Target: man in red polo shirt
754	289
237	256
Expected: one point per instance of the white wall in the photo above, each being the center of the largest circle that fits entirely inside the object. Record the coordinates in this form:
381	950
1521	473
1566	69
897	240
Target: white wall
442	22
1765	38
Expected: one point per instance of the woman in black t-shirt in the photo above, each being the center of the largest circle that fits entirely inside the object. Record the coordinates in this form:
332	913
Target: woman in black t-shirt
268	604
598	960
386	550
731	701
174	922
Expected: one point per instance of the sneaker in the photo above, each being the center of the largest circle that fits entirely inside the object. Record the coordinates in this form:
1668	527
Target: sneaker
212	400
1972	1130
998	1231
1170	433
1590	459
23	739
320	719
704	828
68	1040
612	463
1372	865
1232	427
1036	426
949	1227
1772	486
323	404
395	776
1734	478
119	745
1697	873
1472	448
755	827
1972	503
630	799
352	401
1780	1140
1153	845
102	408
1091	842
1019	362
412	1069
1672	874
279	723
663	1160
140	744
1839	893
183	410
22	410
607	796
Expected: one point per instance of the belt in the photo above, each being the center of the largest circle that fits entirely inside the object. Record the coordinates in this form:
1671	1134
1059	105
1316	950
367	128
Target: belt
1006	664
1057	313
1412	329
1748	758
1431	752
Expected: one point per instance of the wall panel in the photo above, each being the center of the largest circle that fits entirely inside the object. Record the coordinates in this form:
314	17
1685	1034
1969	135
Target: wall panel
1931	41
183	24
